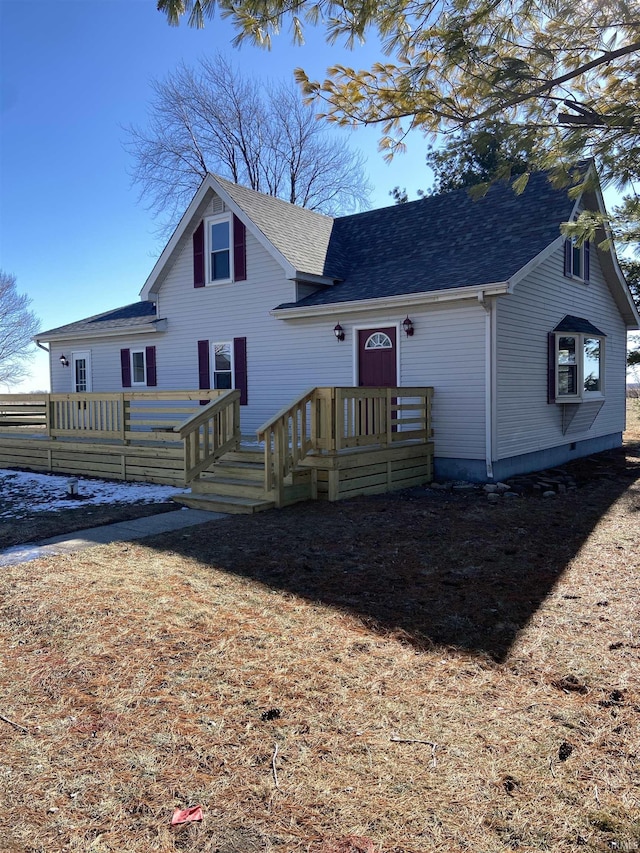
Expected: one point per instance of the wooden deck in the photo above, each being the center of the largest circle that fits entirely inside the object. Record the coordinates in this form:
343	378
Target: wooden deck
329	444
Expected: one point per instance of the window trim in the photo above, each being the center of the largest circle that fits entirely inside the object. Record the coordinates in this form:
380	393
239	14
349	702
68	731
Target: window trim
232	364
581	394
569	253
144	367
76	356
208	223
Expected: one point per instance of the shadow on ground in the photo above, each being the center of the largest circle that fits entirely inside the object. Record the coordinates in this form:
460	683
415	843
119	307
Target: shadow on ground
432	567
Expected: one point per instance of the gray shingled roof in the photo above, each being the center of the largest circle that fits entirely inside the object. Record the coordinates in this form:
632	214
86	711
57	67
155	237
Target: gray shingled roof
437	243
569	323
136	315
441	242
300	235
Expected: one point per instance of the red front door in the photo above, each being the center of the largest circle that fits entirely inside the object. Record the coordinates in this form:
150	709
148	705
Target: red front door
377	357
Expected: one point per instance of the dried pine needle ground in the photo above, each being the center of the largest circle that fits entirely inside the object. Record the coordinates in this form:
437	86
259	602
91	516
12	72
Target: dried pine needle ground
250	666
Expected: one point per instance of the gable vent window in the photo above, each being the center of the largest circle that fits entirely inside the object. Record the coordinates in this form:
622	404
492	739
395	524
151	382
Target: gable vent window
576	361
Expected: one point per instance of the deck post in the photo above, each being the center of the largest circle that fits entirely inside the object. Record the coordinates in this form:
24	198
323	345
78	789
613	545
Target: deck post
48	407
126	414
337	418
121	414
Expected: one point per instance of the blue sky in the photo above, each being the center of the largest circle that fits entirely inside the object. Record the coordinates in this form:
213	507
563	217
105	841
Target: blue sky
72	74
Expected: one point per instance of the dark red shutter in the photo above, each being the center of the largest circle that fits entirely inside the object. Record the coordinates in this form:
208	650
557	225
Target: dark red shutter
586	260
568	257
198	256
239	250
551	369
204	375
240	368
125	366
150	358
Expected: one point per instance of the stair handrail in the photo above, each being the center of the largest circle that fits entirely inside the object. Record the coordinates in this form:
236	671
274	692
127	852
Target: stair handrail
210	433
288	436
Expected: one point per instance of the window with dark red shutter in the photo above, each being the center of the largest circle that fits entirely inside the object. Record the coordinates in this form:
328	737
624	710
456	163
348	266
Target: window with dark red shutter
239	250
240	368
198	256
125	367
150	357
204	375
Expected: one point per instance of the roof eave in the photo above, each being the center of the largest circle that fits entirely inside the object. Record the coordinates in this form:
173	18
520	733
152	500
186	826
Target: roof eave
401	300
82	334
311	278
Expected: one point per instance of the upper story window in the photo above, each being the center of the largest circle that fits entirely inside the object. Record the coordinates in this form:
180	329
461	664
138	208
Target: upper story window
218	249
576	259
578	360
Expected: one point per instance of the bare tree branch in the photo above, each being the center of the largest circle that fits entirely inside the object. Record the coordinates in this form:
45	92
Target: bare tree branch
18	325
212	119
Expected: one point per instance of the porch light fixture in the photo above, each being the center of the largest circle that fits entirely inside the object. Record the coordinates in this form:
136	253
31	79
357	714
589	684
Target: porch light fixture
338	331
407	325
64	361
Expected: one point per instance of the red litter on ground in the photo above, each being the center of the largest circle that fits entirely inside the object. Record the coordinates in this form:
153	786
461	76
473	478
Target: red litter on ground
186	815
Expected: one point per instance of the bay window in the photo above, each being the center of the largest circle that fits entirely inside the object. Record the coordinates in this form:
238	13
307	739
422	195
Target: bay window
577	354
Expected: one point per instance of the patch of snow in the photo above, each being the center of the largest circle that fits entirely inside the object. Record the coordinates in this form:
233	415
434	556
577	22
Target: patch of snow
23	493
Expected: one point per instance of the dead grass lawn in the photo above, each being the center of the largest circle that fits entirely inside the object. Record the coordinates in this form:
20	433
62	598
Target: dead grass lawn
398	675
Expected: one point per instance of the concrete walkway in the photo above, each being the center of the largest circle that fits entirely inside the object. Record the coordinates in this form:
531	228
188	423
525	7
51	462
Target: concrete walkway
123	531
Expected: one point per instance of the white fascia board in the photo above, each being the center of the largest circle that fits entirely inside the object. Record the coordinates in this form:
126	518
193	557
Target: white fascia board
78	335
309	278
152	284
402	301
624	287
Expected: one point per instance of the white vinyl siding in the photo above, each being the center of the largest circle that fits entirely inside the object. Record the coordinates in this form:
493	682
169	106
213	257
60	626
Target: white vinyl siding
525	421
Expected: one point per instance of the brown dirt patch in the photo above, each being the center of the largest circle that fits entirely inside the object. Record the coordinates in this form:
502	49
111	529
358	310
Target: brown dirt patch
437	674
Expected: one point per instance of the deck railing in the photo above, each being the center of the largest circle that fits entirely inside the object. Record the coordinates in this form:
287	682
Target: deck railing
124	416
210	433
23	412
332	419
288	436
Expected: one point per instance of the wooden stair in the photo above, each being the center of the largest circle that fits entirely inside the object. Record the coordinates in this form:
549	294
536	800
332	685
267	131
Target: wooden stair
235	484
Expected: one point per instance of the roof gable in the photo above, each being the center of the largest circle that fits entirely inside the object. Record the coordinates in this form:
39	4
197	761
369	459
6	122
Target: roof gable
295	237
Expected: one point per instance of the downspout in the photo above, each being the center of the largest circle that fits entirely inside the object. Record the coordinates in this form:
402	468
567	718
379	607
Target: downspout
488	304
48	351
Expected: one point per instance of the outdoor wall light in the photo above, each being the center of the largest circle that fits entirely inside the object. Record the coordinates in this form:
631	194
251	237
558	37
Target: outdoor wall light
338	331
407	325
64	361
